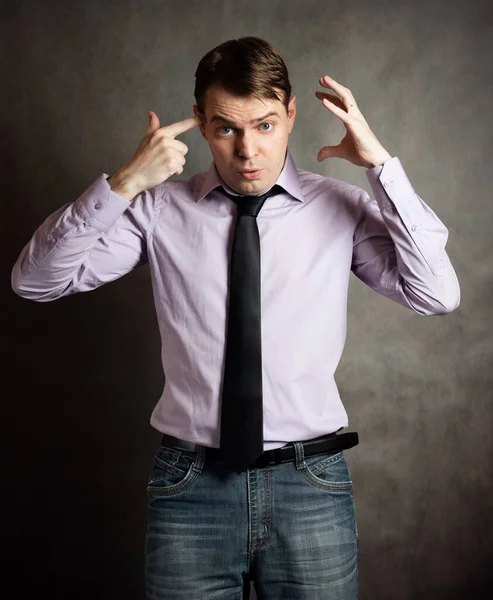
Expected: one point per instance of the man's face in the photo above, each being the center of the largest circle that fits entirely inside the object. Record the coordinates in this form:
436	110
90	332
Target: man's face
248	138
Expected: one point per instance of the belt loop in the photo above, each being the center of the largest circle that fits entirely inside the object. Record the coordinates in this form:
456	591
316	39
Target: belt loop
198	463
299	455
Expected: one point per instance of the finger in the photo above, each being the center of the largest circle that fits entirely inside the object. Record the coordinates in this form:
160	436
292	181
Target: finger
332	84
154	123
332	98
343	92
182	126
328	152
177	145
179	159
338	112
179	167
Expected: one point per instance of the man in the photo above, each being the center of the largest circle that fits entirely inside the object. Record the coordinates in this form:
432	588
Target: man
238	492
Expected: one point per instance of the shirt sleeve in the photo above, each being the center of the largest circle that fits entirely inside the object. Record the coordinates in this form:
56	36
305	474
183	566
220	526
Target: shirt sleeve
96	239
399	244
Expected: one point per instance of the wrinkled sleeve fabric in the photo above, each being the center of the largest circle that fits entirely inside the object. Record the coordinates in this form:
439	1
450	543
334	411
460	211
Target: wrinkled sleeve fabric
399	244
96	239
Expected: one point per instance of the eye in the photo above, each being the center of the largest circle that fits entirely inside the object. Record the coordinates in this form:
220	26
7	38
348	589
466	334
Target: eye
265	126
225	130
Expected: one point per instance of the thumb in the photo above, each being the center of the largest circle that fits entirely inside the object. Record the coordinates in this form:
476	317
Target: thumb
153	122
328	152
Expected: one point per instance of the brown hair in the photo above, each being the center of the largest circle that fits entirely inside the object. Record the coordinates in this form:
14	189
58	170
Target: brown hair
244	67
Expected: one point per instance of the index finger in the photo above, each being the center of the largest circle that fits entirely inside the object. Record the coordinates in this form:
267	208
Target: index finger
181	126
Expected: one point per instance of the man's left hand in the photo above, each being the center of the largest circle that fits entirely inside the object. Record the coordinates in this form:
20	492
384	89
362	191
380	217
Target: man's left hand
359	145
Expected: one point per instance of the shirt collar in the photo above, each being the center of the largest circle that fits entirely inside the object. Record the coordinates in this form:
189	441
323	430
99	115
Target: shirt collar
288	180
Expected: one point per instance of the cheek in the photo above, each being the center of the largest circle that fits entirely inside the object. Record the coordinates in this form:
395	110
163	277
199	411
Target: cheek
220	149
217	152
277	146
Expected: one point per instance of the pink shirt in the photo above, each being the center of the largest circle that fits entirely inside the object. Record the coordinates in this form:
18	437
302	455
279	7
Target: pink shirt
312	236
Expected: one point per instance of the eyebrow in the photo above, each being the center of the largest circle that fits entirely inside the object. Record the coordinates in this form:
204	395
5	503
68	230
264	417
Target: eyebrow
273	113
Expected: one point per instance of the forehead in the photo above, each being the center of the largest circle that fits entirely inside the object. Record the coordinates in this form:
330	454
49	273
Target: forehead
220	104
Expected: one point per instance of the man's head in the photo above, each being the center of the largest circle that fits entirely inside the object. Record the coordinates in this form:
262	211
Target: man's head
243	97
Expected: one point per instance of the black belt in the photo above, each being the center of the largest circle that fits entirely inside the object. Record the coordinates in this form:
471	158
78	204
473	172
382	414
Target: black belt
325	443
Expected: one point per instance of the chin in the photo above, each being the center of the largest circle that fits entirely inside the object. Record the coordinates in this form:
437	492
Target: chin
253	188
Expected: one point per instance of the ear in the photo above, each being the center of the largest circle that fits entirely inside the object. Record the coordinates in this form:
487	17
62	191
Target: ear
291	112
201	116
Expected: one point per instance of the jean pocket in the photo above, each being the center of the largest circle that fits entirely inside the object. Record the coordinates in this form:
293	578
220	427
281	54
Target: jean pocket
172	472
328	471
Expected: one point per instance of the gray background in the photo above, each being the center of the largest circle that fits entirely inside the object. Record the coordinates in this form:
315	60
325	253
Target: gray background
84	372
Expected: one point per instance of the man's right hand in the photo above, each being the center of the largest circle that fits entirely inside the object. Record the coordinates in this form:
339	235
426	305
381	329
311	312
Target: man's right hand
157	158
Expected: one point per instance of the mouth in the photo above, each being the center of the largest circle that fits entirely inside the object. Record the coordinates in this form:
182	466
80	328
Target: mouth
251	173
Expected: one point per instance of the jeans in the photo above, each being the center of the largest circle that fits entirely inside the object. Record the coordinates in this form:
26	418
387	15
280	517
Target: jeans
289	527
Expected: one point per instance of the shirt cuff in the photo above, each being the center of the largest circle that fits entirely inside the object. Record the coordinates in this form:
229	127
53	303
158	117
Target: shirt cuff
390	184
100	206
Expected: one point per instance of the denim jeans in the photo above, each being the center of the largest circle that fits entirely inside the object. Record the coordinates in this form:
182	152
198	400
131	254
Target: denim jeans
290	528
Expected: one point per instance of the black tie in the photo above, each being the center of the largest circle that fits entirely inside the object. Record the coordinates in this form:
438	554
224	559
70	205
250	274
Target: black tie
242	423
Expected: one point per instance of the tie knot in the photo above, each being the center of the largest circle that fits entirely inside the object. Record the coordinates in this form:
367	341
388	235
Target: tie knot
251	205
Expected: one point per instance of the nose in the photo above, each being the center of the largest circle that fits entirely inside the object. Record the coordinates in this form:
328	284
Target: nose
246	146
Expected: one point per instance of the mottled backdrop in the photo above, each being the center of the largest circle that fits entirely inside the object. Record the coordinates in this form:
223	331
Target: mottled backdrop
82	374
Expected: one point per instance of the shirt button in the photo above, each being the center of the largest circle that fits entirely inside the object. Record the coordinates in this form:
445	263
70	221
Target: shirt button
387	184
414	227
97	206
